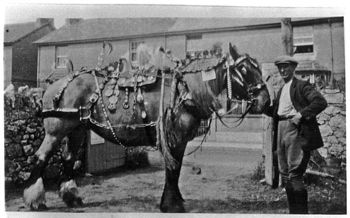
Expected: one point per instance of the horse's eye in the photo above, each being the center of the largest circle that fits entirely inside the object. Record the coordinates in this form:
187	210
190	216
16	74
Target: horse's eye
243	70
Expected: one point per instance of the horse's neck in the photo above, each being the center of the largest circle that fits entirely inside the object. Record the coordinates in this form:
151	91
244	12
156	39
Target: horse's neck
202	93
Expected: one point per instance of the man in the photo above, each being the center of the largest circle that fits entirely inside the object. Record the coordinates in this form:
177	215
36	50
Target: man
296	131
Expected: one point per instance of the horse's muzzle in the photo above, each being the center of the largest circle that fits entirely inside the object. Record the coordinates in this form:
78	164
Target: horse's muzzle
221	112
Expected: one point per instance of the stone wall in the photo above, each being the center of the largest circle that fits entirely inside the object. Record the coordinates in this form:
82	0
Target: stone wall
24	133
333	130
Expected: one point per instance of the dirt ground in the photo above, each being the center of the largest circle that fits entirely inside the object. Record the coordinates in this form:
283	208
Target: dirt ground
216	180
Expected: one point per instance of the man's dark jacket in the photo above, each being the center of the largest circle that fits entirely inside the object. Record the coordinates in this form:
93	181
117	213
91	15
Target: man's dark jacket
308	102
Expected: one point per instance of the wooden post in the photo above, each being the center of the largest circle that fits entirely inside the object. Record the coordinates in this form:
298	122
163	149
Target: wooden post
287	36
271	168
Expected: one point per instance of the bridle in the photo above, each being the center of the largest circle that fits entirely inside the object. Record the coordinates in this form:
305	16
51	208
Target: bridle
236	76
237	73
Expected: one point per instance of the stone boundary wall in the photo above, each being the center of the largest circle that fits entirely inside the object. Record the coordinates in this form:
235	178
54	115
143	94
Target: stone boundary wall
24	134
333	130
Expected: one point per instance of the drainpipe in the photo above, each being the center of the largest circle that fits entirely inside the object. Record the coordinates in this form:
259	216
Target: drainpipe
331	84
287	36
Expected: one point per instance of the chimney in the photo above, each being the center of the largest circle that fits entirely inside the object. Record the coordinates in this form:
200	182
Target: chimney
71	21
42	21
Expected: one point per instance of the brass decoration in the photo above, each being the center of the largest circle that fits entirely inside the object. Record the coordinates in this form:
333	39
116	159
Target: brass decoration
113	99
109	92
93	98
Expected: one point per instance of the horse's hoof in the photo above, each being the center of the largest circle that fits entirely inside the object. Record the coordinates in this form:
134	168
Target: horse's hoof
42	207
79	202
34	196
71	200
172	209
38	207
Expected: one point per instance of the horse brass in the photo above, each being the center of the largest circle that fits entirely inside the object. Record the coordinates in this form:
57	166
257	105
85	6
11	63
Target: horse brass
101	86
113	81
139	79
109	92
116	90
112	107
93	98
113	99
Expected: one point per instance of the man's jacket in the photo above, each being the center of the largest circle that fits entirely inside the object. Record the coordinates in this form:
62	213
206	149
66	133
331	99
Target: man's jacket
308	102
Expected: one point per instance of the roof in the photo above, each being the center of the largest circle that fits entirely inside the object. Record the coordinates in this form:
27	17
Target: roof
103	28
92	30
15	32
186	24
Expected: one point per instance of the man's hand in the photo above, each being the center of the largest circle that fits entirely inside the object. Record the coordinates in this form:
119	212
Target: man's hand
296	118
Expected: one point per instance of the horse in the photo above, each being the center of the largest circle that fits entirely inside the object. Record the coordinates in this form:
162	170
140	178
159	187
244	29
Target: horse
168	101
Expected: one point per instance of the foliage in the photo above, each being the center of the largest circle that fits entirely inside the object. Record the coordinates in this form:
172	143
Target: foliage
259	172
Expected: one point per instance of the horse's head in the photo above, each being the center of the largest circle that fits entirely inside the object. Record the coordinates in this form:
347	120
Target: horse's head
247	82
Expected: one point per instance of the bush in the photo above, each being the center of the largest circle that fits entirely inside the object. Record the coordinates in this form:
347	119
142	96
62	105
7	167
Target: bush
259	172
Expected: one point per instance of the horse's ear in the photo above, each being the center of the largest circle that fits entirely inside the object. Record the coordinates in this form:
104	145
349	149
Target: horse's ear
69	65
233	51
107	45
161	49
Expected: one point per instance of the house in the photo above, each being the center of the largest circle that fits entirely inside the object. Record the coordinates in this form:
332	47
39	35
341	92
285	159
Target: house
317	42
20	54
315	39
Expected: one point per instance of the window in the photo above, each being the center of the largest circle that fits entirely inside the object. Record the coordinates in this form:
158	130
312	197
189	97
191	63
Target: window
303	41
303	45
133	49
194	44
61	56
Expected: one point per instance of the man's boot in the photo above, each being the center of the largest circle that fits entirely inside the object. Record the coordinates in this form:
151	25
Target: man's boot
300	204
291	200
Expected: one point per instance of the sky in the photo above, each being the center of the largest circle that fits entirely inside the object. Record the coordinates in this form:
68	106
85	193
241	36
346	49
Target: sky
22	11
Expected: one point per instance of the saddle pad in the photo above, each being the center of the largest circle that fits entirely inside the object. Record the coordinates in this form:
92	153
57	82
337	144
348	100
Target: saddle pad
140	76
140	80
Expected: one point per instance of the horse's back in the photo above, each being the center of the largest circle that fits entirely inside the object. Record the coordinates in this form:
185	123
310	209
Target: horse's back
70	93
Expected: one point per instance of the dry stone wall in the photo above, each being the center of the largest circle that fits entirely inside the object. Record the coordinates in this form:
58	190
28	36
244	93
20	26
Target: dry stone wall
333	130
24	133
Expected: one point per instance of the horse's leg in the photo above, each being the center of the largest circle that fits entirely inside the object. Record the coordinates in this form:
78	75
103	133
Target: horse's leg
34	192
185	126
68	188
172	200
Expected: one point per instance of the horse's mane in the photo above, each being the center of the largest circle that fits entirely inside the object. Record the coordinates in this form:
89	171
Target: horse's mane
143	55
147	56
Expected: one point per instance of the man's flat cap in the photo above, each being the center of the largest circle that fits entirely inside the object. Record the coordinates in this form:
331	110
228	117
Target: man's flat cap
285	59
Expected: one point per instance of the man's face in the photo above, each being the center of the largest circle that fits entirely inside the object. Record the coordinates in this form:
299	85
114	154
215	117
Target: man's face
286	71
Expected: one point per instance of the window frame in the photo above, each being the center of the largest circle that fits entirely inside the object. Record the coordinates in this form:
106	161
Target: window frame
303	40
61	59
192	38
133	50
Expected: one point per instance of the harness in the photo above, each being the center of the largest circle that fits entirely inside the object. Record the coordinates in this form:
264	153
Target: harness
110	80
237	76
